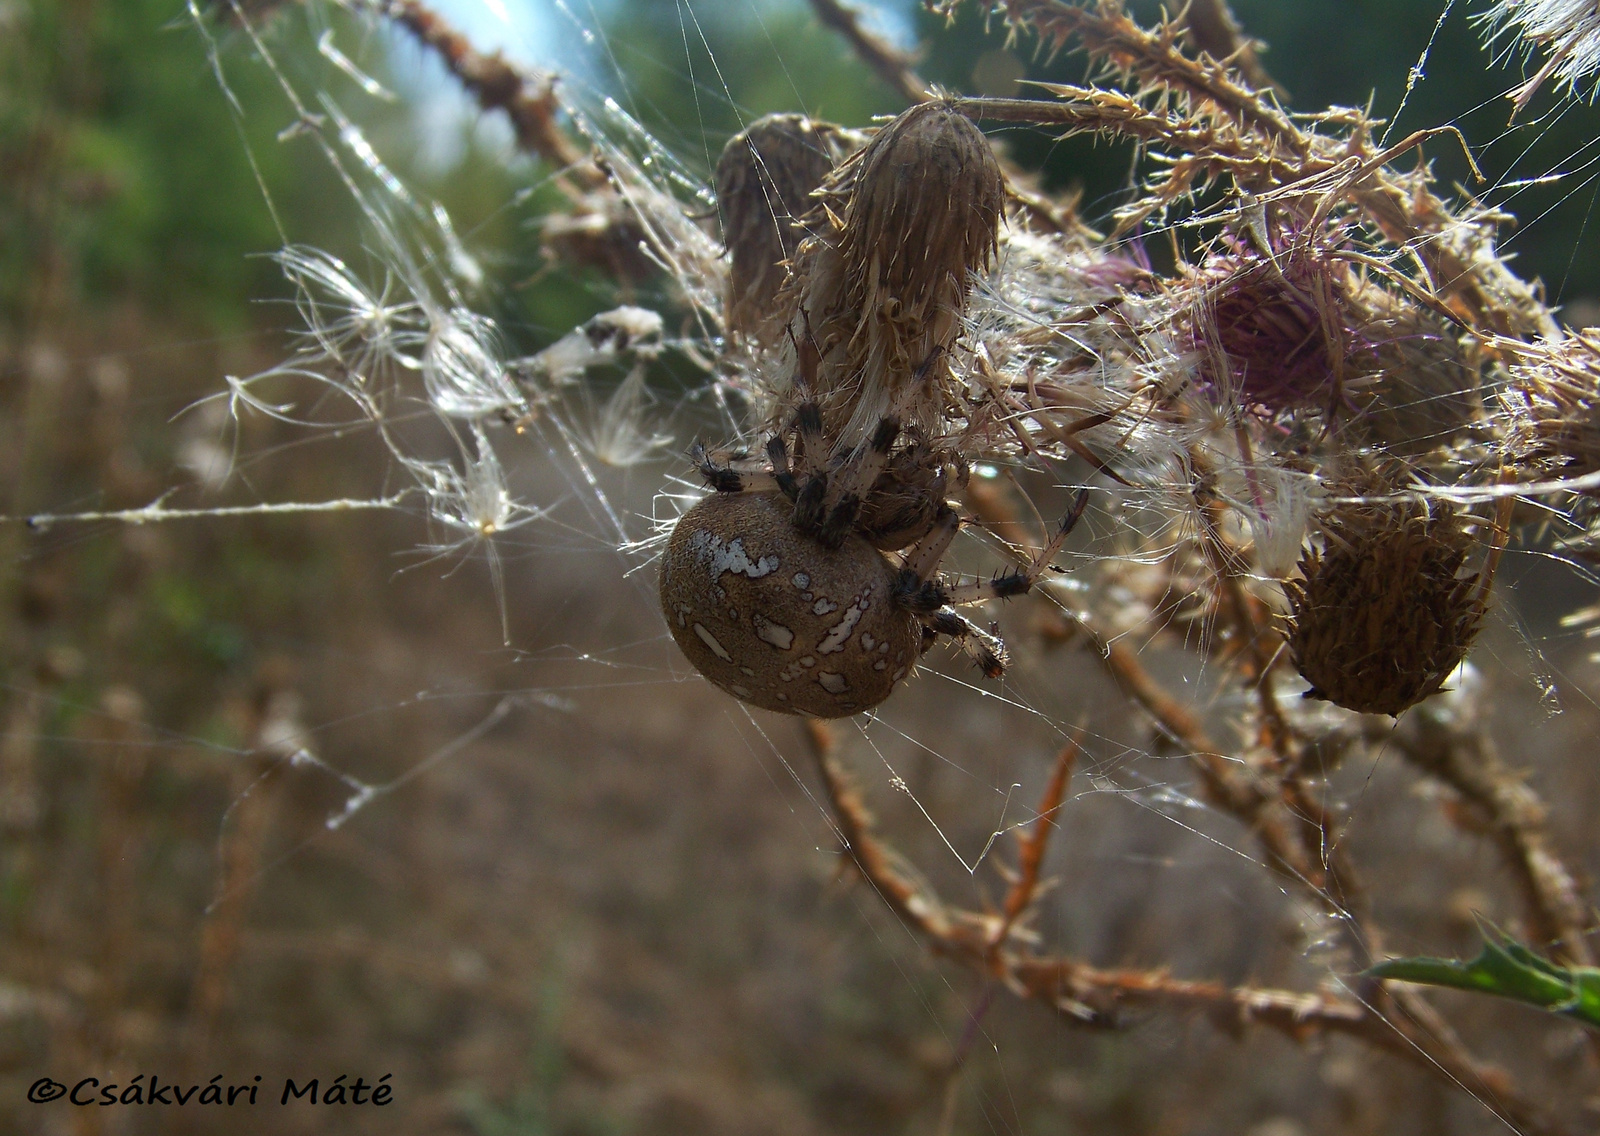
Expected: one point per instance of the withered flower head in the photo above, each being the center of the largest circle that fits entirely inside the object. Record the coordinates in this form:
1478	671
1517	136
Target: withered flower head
1414	378
882	283
1383	612
765	178
925	209
1554	408
1272	332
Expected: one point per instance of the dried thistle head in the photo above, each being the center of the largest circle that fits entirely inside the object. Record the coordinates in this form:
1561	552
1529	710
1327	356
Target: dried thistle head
881	287
1383	611
923	213
1273	331
765	178
1553	407
1415	378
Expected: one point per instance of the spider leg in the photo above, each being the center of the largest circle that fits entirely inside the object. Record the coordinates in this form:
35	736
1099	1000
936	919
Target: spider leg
810	502
1021	581
985	649
852	483
778	455
916	589
733	473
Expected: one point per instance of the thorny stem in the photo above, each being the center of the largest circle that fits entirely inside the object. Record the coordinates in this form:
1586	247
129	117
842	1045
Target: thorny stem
528	98
892	66
1213	29
1154	58
1092	996
1512	816
1332	873
1030	853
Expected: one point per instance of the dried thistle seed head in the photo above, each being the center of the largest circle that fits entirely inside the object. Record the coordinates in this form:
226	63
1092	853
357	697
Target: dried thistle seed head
924	211
1383	612
765	178
1272	332
779	621
1553	408
1415	380
883	282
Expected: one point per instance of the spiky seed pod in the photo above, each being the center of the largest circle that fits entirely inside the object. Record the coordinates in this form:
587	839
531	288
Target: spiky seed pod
924	214
1272	332
882	285
1415	382
1553	408
1383	611
765	178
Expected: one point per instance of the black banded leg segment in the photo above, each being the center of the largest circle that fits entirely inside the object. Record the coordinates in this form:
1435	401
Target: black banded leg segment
811	472
733	474
852	483
1021	581
916	589
778	456
988	651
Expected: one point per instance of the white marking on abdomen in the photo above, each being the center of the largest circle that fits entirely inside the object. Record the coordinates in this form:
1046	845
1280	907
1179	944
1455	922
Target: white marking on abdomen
731	557
839	634
710	640
774	633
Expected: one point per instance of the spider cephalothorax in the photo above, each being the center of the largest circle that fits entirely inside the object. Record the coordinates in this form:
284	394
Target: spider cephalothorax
776	590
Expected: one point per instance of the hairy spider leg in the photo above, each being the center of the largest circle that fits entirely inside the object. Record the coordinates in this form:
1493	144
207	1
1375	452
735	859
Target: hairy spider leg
855	480
812	452
1022	580
916	589
778	455
984	648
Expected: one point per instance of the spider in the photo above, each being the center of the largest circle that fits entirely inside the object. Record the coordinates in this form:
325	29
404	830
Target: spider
777	587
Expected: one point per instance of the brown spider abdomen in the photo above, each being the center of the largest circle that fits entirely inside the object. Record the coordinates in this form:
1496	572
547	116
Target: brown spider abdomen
776	619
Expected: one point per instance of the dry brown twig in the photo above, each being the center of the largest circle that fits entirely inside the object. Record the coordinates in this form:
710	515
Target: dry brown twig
1093	996
528	99
893	66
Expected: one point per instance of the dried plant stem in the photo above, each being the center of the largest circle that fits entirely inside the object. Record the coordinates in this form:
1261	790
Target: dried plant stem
1154	58
239	865
1032	844
1213	29
528	99
1512	815
1091	995
891	65
1262	646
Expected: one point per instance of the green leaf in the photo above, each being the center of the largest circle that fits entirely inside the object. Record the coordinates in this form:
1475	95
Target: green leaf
1507	969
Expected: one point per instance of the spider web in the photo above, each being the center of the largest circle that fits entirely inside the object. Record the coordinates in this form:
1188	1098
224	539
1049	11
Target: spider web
525	477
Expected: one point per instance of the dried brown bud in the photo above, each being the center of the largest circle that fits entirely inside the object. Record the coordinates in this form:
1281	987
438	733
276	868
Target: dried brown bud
1415	381
765	178
883	283
1383	612
1554	408
924	212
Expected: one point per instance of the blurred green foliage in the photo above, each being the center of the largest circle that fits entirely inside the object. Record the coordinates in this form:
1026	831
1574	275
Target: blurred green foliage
130	177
